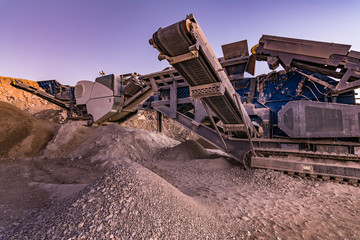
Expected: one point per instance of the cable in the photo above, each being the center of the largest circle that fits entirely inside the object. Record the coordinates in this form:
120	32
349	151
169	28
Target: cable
305	97
312	92
316	87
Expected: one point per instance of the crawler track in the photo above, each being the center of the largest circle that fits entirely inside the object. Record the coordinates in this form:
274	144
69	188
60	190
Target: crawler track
309	154
314	165
324	178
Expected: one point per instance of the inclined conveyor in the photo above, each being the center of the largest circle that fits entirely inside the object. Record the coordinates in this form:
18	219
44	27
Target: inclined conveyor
184	45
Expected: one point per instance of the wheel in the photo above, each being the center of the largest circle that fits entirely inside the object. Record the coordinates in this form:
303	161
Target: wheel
247	159
90	122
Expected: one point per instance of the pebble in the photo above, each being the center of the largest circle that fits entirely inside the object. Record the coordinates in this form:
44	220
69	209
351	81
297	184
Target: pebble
99	228
153	208
109	217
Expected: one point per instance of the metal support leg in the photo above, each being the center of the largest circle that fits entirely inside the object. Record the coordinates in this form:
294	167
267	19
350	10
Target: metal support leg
173	100
215	126
246	128
159	122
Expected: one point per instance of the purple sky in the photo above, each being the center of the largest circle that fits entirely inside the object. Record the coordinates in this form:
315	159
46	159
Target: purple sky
72	40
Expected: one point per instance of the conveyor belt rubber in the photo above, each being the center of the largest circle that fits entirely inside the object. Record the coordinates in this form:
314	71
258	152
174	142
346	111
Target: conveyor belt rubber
175	40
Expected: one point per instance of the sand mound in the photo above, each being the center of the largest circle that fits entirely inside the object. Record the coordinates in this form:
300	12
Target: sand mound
128	202
105	144
147	121
21	134
187	150
75	157
51	115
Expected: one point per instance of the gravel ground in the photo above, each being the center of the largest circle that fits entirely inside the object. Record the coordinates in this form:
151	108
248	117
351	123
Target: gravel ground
127	202
138	184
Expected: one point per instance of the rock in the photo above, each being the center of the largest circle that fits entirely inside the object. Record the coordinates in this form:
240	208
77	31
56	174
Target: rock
109	217
99	228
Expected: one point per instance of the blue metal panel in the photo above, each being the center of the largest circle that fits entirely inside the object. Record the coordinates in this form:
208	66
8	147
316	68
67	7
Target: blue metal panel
275	90
49	85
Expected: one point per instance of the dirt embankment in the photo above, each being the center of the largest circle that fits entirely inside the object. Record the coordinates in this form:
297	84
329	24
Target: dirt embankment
21	99
21	135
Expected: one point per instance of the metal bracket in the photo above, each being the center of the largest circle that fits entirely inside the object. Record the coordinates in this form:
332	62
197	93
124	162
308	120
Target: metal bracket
195	123
181	58
344	85
207	90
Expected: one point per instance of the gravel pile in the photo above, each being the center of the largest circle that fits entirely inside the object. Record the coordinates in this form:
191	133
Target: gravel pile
128	202
105	144
186	150
147	120
52	115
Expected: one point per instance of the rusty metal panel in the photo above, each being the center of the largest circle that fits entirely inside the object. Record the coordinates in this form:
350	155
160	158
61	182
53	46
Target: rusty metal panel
354	54
303	47
251	66
236	49
308	119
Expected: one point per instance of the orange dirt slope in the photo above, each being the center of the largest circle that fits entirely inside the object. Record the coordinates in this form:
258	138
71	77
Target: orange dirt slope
21	135
21	99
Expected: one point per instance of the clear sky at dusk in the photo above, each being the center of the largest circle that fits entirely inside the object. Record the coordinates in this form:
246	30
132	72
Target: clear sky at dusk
72	40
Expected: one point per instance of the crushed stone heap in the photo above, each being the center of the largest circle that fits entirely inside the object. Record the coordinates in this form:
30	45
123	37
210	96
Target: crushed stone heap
127	202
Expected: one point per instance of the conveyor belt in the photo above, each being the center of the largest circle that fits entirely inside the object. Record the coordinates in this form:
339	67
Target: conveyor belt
185	47
129	108
40	93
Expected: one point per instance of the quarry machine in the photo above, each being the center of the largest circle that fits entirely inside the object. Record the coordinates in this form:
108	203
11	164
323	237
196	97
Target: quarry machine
298	120
111	98
52	91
